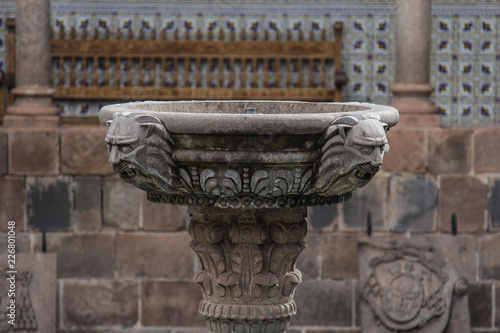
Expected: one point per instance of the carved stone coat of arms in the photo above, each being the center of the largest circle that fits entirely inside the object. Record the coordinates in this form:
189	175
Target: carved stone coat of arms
407	286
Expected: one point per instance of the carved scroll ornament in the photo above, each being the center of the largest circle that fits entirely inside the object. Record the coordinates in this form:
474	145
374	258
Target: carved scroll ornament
349	154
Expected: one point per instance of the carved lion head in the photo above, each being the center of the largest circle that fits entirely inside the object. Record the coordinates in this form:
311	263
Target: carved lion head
352	152
140	151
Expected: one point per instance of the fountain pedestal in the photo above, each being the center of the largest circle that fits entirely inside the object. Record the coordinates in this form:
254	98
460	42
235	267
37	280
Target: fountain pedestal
248	275
247	170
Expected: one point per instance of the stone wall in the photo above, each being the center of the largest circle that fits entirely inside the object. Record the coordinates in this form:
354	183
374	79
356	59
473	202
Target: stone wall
125	265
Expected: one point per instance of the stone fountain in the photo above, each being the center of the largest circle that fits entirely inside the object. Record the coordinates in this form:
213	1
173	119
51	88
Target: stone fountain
247	170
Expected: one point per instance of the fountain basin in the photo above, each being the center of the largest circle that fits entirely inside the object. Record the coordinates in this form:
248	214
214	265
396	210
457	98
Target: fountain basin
247	154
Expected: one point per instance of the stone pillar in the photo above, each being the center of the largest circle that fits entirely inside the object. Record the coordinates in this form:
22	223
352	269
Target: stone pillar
33	94
412	88
248	275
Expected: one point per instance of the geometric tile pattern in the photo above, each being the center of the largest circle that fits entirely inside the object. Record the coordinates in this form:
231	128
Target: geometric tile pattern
465	69
465	42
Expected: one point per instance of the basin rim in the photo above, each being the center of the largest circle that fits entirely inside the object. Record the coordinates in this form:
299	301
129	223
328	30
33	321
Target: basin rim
243	123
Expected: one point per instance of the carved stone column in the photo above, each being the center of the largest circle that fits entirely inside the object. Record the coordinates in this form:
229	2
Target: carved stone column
412	88
33	94
248	274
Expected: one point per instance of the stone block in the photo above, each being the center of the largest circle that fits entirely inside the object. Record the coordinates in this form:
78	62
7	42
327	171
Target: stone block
450	150
493	204
155	255
162	217
323	218
323	303
393	270
466	197
49	203
309	260
35	293
413	203
106	302
12	202
335	248
407	151
34	152
87	211
23	242
121	202
489	252
487	150
480	304
84	151
3	154
170	304
371	199
331	330
497	305
83	256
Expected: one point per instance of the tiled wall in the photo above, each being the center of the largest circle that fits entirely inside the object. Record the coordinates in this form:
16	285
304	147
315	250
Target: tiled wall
465	53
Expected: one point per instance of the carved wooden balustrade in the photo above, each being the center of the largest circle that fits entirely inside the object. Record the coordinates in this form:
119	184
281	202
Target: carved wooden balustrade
100	65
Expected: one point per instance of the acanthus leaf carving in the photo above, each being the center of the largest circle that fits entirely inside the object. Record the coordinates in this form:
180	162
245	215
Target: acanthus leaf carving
232	182
260	183
283	182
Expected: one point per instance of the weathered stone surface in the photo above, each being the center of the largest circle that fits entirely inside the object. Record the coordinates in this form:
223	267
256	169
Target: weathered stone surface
407	151
86	214
84	151
489	252
170	304
155	255
3	154
466	197
323	217
49	203
35	292
335	248
487	150
430	267
331	330
413	203
34	152
71	328
309	260
12	202
106	302
493	206
162	217
450	150
23	242
497	303
323	303
371	199
480	304
121	204
83	256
